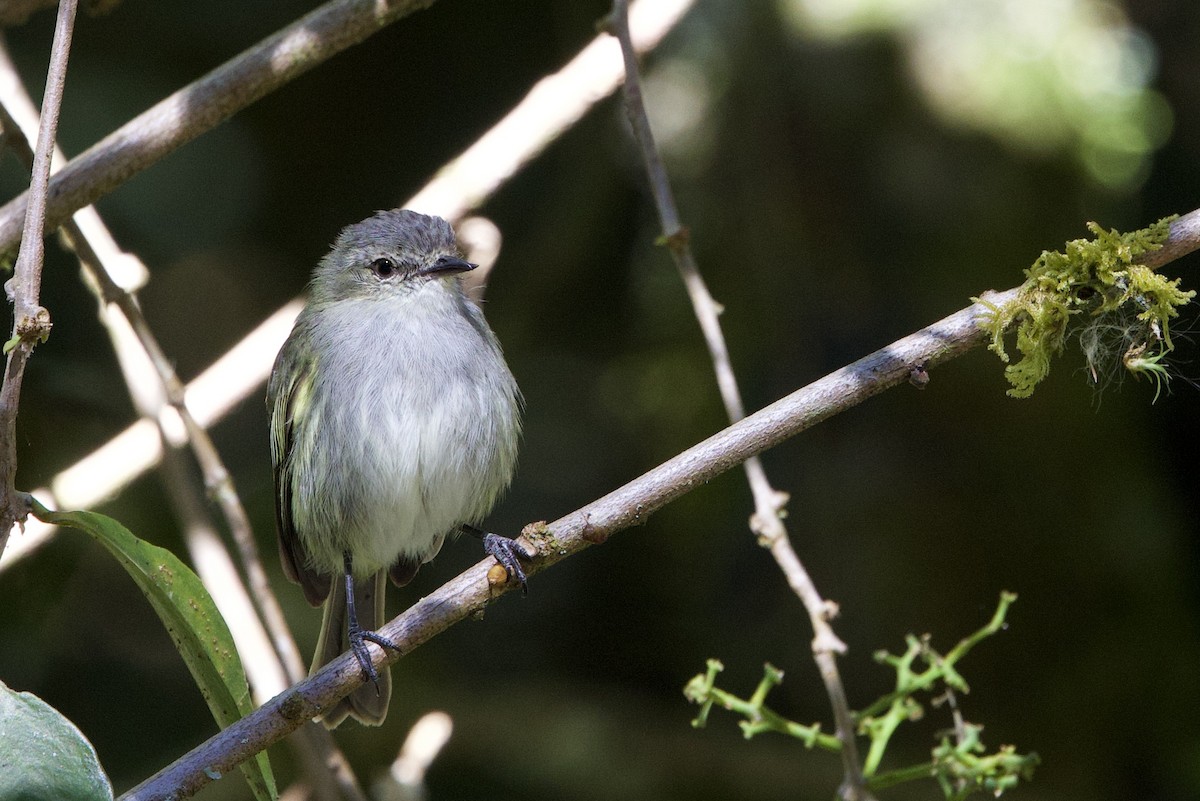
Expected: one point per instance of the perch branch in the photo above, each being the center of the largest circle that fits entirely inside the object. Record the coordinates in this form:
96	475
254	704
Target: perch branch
467	594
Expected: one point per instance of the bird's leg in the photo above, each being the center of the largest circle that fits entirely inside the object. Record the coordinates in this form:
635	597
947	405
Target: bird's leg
508	552
359	638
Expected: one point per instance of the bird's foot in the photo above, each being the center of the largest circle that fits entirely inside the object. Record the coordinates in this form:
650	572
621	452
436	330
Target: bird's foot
358	644
509	553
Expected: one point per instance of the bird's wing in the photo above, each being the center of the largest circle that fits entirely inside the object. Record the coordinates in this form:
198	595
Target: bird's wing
289	396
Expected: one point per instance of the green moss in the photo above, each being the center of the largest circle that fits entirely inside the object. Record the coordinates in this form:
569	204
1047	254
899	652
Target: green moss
1096	288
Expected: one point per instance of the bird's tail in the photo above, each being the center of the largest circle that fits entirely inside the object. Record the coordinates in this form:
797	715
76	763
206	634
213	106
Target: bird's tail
367	705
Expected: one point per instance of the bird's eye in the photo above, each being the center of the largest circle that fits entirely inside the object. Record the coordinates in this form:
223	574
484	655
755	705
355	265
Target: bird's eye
383	268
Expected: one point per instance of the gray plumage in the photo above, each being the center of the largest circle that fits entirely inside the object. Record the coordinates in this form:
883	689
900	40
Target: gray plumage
394	421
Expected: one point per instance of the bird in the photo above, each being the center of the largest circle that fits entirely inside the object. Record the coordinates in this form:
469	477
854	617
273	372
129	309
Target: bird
394	423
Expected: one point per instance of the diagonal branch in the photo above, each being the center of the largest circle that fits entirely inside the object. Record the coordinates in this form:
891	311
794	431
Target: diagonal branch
467	594
769	503
99	260
202	104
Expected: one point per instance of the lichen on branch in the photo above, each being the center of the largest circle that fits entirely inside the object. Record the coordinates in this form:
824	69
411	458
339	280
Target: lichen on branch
1098	288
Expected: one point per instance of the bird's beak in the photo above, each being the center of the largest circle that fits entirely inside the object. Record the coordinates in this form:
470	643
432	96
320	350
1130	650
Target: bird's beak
448	265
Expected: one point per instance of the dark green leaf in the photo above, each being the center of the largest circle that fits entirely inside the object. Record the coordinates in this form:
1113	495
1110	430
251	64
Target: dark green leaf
43	757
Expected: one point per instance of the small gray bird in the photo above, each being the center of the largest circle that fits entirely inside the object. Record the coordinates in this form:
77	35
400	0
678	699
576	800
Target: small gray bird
394	423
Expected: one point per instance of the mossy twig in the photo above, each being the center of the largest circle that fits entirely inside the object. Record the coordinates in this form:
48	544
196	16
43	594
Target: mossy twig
1102	279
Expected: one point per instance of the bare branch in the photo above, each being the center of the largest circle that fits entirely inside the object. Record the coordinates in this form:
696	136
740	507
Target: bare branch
202	104
467	594
769	503
31	322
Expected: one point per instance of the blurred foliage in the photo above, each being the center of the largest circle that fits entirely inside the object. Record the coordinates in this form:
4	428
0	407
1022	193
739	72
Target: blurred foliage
1071	76
834	206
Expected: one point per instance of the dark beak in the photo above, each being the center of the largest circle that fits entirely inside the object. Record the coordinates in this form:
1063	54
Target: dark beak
448	265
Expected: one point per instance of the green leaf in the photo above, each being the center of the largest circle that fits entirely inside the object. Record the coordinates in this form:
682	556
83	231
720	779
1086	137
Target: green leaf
43	757
190	617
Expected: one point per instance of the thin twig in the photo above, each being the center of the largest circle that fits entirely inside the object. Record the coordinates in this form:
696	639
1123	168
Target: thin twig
31	322
769	503
208	101
467	594
216	476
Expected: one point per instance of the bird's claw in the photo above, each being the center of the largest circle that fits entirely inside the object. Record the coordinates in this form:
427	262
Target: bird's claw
358	644
508	553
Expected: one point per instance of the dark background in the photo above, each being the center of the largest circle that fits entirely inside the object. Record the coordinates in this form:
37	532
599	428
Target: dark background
834	208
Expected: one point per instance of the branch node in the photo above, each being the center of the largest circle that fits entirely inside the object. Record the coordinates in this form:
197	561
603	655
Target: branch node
35	325
296	707
594	535
824	640
677	241
830	610
918	376
20	505
766	523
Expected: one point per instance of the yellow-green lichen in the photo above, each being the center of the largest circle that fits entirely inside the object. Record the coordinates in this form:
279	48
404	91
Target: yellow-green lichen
1126	305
